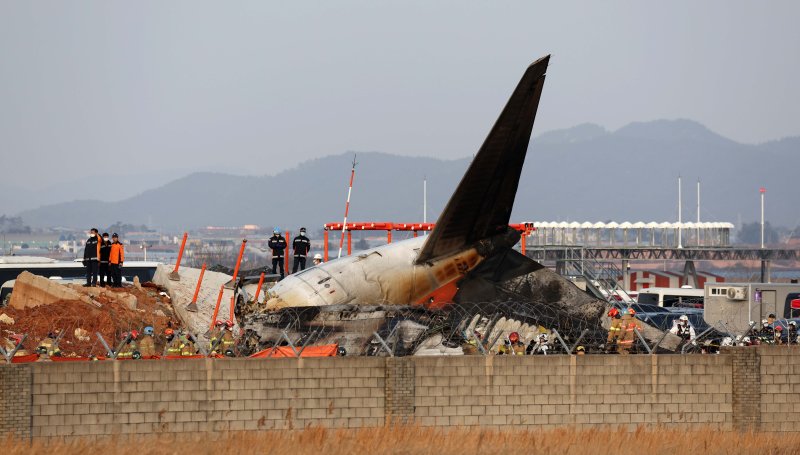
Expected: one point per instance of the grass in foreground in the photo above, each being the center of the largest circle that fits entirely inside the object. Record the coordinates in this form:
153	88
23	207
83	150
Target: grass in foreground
420	440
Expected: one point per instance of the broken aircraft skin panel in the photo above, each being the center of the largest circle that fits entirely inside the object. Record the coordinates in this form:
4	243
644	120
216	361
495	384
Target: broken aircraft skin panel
467	263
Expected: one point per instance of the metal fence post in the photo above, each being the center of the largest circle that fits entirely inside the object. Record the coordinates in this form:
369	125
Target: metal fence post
585	331
558	336
383	343
644	342
109	351
291	345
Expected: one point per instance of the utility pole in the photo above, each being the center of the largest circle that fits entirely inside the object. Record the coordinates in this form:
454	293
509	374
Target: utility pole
763	191
425	202
680	210
698	212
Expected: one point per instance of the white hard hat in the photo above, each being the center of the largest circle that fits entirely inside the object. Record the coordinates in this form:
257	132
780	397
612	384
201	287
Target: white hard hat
318	256
684	318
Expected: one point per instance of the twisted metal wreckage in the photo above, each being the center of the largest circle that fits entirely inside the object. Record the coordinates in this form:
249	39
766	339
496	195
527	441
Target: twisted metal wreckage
437	292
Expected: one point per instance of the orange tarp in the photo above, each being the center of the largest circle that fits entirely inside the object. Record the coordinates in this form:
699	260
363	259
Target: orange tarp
328	350
25	358
69	359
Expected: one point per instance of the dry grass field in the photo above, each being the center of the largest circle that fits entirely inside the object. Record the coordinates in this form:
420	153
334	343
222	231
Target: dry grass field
419	440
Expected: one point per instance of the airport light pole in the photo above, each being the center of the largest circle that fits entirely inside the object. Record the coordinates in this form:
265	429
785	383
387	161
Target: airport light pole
763	191
680	210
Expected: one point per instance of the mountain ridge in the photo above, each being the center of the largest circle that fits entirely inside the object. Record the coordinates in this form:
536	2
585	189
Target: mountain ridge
580	173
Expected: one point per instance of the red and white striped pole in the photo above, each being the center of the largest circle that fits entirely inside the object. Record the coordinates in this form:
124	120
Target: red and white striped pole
347	206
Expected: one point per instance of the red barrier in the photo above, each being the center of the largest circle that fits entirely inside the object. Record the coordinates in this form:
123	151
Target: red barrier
25	358
216	307
178	357
325	246
238	262
180	252
192	306
69	359
258	289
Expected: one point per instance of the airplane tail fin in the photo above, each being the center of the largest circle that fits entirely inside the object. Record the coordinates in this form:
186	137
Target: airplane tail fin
481	205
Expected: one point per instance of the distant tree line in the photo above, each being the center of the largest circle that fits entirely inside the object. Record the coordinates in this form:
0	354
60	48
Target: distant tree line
123	228
750	233
13	225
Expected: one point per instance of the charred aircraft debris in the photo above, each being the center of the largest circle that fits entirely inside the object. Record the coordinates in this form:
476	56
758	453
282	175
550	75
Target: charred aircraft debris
463	280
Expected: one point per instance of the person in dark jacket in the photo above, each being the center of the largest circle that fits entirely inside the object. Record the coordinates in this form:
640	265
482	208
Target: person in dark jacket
301	246
91	257
278	244
105	250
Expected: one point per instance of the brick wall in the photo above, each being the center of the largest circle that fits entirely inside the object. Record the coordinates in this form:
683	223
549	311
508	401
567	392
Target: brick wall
779	387
400	389
739	389
15	401
552	391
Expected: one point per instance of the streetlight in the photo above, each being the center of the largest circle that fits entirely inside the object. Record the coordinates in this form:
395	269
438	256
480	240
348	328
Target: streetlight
763	191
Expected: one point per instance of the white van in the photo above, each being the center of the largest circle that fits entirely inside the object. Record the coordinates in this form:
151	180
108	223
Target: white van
672	297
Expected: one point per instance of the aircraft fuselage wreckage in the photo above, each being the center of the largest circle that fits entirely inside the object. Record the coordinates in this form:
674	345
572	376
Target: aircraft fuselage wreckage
432	294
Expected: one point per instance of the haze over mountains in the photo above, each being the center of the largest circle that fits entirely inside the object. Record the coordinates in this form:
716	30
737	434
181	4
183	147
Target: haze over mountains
577	174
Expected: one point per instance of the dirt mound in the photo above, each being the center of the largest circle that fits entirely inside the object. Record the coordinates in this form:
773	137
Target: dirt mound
109	313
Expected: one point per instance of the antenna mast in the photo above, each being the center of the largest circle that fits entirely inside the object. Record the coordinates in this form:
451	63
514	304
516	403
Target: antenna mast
347	206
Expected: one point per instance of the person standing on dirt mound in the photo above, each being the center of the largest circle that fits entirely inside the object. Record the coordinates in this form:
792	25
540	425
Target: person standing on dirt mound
278	245
116	257
91	257
105	250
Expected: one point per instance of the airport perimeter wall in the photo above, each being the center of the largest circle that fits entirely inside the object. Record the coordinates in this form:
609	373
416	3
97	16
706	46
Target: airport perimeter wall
740	389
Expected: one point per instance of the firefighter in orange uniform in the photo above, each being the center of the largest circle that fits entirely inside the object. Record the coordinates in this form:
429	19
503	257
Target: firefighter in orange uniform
115	258
629	323
614	330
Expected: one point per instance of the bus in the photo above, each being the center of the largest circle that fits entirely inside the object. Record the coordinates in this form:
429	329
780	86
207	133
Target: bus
672	297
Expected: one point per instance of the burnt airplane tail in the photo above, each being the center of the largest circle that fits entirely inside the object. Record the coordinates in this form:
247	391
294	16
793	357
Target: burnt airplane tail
481	205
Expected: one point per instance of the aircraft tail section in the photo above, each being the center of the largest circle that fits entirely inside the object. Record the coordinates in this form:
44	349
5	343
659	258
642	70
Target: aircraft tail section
481	205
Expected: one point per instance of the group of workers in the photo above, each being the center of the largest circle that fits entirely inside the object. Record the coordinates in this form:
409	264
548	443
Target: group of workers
622	330
512	344
134	345
770	332
103	259
301	245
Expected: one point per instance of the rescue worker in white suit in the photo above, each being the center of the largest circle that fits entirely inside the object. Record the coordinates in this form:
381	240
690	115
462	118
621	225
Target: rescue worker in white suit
683	329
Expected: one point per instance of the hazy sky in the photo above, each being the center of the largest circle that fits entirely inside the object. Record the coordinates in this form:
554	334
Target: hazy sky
98	87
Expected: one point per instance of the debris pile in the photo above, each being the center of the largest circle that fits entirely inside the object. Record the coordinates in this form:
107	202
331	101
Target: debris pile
39	306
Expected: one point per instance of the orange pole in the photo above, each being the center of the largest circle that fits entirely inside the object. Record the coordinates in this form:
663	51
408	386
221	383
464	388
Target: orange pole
238	262
216	308
199	282
415	233
522	246
233	304
286	254
325	246
258	289
389	235
180	252
349	243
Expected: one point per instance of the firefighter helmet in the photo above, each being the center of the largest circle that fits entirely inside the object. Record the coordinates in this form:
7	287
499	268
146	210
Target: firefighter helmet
613	312
513	337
